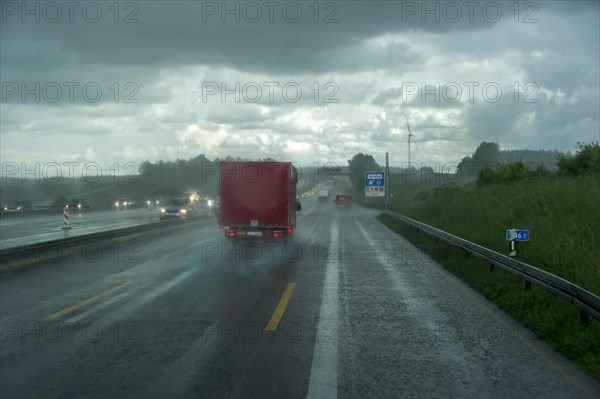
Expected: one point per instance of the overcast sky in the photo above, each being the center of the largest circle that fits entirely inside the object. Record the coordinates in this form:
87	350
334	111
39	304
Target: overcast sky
301	81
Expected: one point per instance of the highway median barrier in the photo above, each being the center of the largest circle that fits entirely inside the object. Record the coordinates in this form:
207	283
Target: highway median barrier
14	257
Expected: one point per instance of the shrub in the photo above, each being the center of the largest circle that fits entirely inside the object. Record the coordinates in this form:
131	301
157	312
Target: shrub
510	173
541	171
423	196
446	188
586	161
486	176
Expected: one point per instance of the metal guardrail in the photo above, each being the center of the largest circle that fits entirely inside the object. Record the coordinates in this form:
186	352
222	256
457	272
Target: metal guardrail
578	296
24	253
49	209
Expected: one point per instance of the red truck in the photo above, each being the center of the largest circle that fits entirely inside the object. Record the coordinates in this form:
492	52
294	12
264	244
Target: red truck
258	199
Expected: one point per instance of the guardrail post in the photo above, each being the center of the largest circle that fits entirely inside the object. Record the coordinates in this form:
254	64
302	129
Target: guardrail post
492	267
527	285
584	318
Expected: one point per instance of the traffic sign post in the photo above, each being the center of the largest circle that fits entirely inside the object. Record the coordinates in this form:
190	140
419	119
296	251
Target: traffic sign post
374	184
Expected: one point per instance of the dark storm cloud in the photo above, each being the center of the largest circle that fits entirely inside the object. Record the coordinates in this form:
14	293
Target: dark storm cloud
368	49
166	34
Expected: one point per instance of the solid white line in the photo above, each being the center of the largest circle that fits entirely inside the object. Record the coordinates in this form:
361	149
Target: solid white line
149	296
122	312
95	308
323	373
161	289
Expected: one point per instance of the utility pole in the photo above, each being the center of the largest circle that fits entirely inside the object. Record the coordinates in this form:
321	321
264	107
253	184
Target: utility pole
387	179
409	136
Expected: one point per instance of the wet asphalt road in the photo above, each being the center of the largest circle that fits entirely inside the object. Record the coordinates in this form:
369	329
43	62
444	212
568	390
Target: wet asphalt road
347	309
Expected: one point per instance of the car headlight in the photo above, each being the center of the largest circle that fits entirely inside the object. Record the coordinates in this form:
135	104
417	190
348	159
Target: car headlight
162	210
183	211
209	203
117	204
78	206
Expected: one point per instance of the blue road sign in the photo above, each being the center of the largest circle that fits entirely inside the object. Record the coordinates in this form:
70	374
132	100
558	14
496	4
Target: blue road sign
375	184
517	235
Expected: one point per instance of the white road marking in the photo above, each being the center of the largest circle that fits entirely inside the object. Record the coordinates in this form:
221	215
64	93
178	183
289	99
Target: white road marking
323	373
123	312
96	308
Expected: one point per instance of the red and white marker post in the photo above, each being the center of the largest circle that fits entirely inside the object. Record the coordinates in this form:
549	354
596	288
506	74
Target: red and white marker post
66	218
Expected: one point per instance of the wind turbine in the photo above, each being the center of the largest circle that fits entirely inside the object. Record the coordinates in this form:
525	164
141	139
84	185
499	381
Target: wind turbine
409	136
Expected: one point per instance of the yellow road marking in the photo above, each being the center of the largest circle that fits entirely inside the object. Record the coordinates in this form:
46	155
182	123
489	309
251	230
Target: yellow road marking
18	264
278	313
85	302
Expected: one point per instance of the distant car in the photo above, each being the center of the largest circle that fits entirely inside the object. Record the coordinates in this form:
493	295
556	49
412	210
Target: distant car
154	202
18	207
123	203
343	201
177	208
214	205
78	204
11	209
25	205
206	205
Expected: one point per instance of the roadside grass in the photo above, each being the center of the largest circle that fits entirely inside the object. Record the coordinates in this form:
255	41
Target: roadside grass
563	216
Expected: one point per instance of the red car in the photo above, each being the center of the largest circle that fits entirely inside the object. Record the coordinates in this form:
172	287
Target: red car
343	201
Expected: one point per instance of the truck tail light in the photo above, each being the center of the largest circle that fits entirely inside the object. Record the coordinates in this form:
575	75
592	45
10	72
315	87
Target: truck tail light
229	233
277	234
290	231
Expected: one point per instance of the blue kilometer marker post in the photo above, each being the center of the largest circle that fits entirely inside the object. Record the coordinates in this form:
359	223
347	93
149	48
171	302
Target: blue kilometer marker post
513	236
518	235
